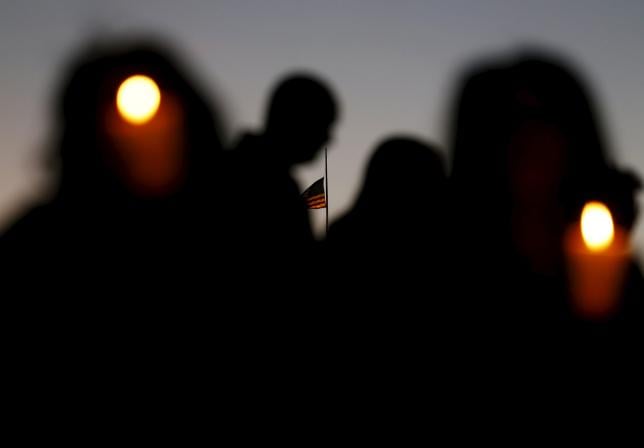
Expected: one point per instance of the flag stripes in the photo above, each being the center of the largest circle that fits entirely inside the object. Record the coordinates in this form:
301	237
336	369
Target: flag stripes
314	196
317	201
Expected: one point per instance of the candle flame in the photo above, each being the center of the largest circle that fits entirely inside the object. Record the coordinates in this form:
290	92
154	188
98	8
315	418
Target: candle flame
597	226
138	99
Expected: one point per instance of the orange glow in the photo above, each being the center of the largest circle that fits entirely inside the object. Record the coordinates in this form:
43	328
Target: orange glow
149	158
597	226
598	255
138	99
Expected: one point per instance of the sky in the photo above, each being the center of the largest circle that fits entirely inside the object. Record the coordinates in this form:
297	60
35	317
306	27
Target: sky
392	64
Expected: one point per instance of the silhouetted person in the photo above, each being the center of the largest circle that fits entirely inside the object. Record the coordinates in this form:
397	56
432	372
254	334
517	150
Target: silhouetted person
527	154
387	254
273	237
396	223
125	195
274	269
108	272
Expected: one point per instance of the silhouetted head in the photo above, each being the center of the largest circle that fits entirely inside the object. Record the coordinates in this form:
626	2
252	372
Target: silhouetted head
557	151
528	153
404	175
300	116
525	130
102	153
554	139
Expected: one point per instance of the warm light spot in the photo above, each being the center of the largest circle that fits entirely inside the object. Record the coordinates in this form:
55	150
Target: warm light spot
597	226
138	99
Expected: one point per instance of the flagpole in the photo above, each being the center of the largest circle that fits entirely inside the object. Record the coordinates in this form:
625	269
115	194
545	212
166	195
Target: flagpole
326	189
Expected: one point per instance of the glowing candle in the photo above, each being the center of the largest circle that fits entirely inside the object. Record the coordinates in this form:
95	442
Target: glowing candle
147	137
138	99
597	253
597	226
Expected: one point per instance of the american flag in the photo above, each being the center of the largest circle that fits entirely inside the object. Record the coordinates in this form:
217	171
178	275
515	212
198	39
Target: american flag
314	195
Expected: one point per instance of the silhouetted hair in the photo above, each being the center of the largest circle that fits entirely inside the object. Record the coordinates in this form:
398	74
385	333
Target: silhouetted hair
496	97
547	89
90	87
402	169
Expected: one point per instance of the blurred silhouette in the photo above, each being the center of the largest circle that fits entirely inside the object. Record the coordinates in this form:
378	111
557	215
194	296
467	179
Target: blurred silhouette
387	254
272	233
398	218
528	152
109	267
157	248
128	198
269	245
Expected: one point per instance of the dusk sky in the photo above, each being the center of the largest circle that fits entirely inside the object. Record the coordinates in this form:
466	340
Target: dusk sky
392	64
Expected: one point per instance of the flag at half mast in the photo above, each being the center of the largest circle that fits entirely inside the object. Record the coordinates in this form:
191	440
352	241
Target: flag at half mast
314	195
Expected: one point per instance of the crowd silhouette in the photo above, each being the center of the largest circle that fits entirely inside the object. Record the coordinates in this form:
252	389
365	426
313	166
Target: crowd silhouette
155	238
528	153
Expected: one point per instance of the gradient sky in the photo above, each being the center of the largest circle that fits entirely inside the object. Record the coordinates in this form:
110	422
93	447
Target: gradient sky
391	62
